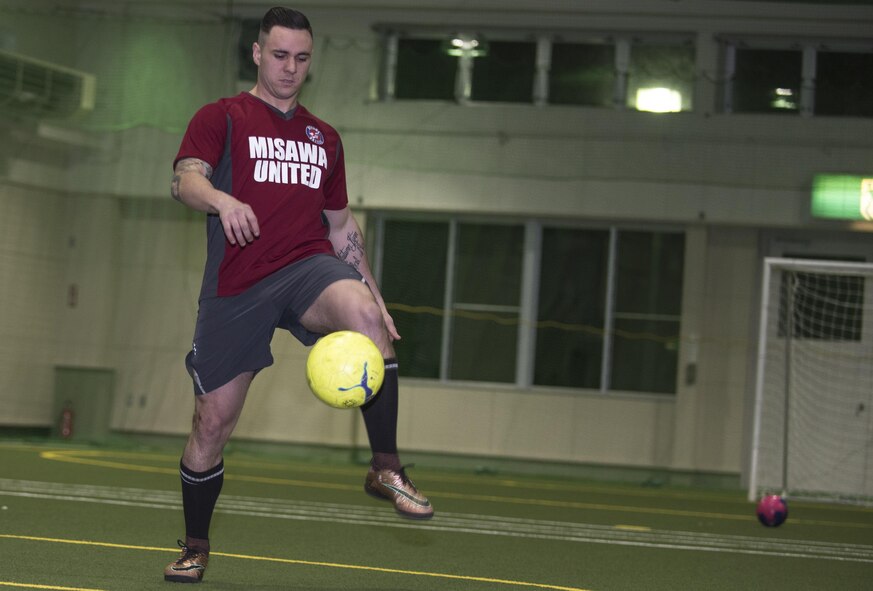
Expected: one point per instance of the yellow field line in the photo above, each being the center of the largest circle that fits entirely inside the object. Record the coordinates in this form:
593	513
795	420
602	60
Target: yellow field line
290	561
34	586
67	456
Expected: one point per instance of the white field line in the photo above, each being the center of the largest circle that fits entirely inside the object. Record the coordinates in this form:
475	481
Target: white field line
447	522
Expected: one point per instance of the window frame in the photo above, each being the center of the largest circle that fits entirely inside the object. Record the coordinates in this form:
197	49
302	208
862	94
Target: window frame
543	40
528	298
624	42
808	47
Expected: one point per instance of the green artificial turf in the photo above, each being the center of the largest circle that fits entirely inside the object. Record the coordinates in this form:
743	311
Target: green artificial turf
107	518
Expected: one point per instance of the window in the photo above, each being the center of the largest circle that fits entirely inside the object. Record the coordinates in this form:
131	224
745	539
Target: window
505	72
571	316
629	343
582	74
485	303
652	75
844	84
661	77
647	72
767	81
424	70
603	314
246	68
413	270
648	304
811	78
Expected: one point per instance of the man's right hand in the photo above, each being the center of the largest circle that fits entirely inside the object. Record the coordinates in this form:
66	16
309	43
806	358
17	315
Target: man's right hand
239	221
191	186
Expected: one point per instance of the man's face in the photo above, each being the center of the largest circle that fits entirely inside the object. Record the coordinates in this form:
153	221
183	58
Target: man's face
283	62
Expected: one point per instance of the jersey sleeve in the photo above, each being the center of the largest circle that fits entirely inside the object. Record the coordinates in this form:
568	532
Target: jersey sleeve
204	139
335	193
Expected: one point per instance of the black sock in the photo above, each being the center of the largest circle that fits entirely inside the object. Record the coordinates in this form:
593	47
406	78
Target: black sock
200	491
380	419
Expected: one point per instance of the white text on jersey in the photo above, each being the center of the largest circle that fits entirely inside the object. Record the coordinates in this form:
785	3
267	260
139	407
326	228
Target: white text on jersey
287	161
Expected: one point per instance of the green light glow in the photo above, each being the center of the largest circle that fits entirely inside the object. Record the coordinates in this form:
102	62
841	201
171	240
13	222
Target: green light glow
842	197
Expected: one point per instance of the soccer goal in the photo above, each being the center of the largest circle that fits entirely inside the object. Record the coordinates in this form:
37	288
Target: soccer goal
813	423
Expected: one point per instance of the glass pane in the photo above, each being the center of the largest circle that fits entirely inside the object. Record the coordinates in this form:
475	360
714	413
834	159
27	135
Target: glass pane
649	273
484	350
246	68
645	354
648	301
767	81
424	70
572	291
485	307
844	84
488	264
413	285
661	77
582	74
505	73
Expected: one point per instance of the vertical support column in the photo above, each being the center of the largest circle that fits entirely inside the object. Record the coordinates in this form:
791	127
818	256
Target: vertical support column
609	313
684	431
622	72
541	75
705	95
389	67
448	301
730	68
527	332
807	83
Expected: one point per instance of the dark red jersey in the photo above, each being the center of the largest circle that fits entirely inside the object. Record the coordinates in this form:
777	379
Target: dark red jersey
287	167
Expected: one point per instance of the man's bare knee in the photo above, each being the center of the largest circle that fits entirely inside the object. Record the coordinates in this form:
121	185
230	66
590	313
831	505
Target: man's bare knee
370	317
215	416
210	426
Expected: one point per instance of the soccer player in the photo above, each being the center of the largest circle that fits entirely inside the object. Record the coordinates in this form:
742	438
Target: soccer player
283	250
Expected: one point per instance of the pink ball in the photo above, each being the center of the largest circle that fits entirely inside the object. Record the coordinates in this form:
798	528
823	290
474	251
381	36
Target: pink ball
772	510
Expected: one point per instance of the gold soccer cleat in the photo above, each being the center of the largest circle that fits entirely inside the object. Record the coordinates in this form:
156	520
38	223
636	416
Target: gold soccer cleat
390	485
190	566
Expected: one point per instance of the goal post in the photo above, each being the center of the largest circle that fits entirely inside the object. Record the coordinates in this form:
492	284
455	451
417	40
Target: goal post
812	434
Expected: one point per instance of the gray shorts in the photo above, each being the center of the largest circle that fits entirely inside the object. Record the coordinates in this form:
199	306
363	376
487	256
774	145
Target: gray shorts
233	333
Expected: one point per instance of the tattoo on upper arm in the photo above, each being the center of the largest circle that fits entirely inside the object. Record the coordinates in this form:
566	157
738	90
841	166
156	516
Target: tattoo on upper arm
194	165
184	166
353	252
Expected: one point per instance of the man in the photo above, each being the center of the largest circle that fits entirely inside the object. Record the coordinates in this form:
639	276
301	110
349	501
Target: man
283	251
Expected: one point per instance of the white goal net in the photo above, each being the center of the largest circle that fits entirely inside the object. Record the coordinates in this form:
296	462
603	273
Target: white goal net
813	422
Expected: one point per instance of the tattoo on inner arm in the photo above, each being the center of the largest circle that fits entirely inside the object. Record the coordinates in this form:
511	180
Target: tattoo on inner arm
353	252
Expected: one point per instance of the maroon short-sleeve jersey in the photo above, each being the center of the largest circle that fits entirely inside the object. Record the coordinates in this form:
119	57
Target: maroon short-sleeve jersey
288	167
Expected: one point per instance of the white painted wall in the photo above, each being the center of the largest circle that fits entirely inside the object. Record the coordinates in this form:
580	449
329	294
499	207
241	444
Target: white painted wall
91	208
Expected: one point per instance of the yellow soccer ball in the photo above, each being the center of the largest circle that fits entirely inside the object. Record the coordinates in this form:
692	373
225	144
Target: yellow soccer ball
345	369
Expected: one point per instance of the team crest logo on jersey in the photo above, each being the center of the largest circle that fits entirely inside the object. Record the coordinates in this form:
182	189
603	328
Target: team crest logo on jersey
315	136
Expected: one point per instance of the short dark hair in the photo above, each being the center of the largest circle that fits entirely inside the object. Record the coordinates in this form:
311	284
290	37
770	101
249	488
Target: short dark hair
284	17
